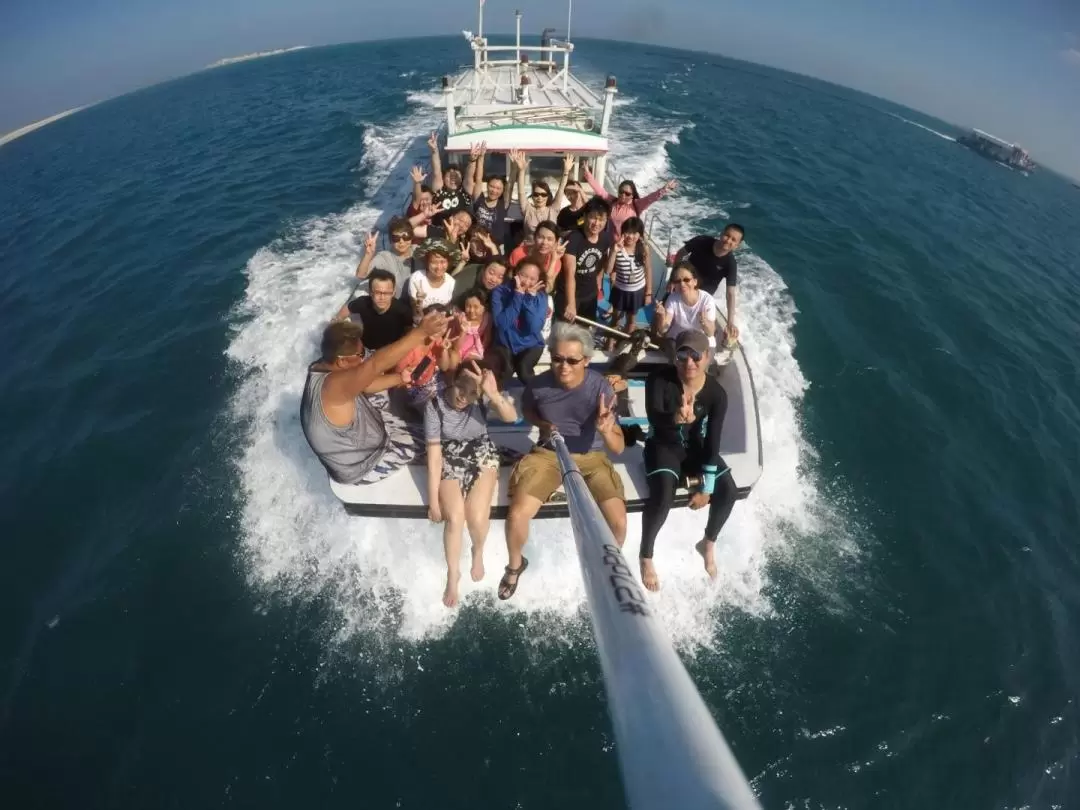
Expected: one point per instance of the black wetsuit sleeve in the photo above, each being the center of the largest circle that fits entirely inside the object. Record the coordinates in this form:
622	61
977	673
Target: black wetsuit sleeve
717	412
662	400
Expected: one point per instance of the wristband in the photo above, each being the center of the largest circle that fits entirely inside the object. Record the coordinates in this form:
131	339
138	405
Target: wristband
708	478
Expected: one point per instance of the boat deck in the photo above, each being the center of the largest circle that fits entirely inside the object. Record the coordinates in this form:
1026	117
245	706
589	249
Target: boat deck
492	89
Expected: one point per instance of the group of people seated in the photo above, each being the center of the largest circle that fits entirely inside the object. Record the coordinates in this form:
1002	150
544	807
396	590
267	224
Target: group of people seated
451	317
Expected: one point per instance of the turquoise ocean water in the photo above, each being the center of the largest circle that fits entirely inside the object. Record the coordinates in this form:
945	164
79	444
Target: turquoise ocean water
188	619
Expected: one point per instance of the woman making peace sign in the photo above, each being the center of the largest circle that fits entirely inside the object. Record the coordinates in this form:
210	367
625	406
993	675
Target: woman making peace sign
686	409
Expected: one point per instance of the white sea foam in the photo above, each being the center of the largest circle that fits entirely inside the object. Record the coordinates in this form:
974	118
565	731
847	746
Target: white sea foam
383	578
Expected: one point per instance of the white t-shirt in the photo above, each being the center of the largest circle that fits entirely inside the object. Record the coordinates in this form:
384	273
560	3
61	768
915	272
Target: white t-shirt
418	282
683	316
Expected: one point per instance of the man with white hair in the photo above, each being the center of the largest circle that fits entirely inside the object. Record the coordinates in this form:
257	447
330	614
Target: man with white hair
578	402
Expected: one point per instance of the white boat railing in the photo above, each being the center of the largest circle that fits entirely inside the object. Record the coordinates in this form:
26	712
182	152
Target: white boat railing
671	752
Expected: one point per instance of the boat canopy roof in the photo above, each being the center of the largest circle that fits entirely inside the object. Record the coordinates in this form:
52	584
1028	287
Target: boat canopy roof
557	112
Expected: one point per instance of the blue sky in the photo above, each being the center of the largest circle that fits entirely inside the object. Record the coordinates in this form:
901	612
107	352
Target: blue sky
1008	66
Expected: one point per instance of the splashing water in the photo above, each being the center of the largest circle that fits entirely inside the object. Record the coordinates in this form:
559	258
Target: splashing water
387	576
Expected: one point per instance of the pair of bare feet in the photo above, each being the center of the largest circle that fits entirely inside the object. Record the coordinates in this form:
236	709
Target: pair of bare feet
450	595
706	548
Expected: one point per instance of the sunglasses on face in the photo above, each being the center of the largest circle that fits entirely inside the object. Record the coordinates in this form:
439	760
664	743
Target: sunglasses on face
684	354
559	360
626	193
401	237
541	194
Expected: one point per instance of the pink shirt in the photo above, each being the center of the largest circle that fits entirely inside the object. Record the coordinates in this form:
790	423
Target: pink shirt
620	212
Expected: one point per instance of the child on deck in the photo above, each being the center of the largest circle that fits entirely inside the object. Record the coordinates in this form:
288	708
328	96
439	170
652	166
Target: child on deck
630	269
463	465
474	327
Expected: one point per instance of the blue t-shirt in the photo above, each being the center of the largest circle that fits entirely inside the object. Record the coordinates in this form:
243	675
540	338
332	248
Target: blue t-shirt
572	411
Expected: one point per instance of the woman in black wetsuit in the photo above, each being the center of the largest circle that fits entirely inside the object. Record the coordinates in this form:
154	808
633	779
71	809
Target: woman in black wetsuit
686	408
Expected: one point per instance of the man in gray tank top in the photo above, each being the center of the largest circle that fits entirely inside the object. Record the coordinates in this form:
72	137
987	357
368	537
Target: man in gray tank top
356	442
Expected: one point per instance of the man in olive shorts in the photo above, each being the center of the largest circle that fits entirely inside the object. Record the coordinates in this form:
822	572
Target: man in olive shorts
578	402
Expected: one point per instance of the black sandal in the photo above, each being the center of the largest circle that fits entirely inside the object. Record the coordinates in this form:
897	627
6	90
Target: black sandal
510	588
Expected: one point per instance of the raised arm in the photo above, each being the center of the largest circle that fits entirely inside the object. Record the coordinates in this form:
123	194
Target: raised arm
613	254
436	163
555	263
519	159
370	242
474	174
597	188
502	403
350	384
607	424
418	178
650	198
567	166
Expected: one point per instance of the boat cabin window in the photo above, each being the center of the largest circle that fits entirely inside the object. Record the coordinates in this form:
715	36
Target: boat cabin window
545	166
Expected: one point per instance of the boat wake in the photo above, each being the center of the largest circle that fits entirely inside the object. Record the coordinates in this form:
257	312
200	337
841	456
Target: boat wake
922	126
386	577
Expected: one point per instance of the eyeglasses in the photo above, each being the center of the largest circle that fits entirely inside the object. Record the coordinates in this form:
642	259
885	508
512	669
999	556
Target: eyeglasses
684	354
559	360
401	237
381	293
683	280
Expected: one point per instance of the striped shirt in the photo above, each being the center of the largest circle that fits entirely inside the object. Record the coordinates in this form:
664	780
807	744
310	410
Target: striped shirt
443	422
629	272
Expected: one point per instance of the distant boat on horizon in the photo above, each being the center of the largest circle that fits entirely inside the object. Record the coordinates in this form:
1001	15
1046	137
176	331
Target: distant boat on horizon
997	149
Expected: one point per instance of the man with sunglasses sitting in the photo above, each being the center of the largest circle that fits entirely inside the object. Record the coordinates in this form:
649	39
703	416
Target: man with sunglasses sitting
397	261
578	402
686	408
357	442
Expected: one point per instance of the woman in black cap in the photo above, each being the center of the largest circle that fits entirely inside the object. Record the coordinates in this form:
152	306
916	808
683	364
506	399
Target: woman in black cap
686	408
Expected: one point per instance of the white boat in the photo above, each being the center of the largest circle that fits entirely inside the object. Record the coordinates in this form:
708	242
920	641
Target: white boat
530	100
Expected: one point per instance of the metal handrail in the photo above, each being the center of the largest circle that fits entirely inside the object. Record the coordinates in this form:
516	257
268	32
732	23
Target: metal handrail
671	753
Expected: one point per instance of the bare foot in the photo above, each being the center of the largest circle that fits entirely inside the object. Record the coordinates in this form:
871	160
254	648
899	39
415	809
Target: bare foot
477	571
706	548
648	575
450	595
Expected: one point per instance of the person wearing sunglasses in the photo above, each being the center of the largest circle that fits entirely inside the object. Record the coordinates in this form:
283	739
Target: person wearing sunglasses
385	318
688	307
397	260
714	260
580	403
356	442
541	205
686	408
627	202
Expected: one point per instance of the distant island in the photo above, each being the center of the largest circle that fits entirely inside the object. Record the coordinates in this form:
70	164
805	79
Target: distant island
18	133
248	56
